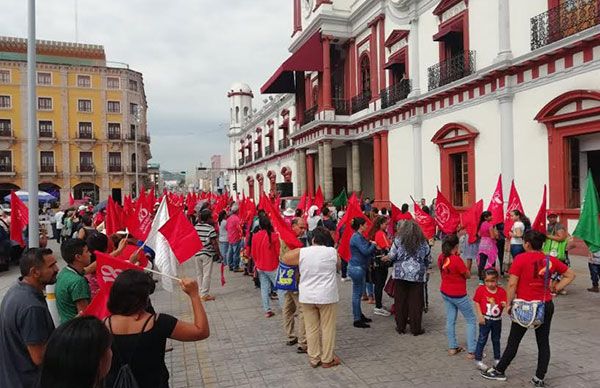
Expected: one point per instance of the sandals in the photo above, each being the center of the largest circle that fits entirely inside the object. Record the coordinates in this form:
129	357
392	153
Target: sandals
455	351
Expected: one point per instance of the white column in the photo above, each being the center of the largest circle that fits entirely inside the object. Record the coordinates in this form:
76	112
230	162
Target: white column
321	161
327	171
349	185
507	161
356	186
301	172
417	161
504	51
413	48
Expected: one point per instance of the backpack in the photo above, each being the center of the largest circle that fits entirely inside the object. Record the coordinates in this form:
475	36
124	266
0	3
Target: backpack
125	377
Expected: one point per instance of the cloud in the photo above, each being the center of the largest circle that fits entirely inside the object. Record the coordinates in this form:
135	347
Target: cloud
189	51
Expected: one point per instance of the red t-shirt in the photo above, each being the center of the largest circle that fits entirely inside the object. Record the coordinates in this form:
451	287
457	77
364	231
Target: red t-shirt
490	303
454	283
234	229
264	253
530	267
381	240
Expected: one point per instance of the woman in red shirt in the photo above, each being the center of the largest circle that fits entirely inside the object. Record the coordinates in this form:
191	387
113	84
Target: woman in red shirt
454	274
379	269
265	253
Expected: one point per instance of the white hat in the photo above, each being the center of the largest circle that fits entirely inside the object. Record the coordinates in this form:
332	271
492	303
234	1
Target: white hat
289	212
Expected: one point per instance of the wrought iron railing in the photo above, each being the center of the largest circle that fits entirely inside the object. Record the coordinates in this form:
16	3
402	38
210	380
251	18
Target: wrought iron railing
241	161
115	168
45	134
46	168
342	107
85	135
452	69
257	154
284	143
114	135
394	93
85	168
309	115
269	150
569	18
5	132
361	101
6	168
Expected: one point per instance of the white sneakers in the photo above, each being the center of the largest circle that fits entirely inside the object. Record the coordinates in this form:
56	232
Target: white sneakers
346	279
481	366
383	312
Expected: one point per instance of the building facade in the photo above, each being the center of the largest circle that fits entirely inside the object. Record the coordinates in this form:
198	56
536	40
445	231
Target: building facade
260	146
395	98
90	117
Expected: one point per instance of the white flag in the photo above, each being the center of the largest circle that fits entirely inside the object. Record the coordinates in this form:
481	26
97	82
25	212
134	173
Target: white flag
164	259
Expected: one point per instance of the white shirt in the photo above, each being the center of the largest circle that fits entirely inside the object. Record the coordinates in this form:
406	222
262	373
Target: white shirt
318	283
517	240
58	218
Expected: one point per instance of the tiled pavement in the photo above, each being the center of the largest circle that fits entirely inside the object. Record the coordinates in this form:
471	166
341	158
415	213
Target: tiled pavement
247	350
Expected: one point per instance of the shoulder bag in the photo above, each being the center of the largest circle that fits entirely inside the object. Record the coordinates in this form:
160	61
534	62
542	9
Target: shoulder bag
530	314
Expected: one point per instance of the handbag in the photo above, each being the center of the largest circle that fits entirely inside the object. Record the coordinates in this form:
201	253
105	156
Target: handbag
530	314
287	278
389	287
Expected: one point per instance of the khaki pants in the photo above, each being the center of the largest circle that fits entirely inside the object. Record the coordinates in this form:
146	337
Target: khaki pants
291	308
320	331
204	264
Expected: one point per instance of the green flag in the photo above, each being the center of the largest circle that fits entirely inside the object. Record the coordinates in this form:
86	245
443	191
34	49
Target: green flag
341	200
588	227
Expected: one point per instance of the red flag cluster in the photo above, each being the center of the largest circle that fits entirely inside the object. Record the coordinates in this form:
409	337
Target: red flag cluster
352	211
19	218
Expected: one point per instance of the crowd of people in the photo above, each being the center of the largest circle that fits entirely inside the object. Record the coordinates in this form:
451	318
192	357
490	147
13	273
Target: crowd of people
388	253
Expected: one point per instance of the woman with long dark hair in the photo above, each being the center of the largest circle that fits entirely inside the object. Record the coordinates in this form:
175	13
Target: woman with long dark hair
361	251
265	253
454	274
380	263
139	337
488	251
410	254
516	233
78	355
223	239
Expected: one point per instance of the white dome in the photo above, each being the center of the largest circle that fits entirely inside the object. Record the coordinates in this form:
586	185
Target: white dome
240	87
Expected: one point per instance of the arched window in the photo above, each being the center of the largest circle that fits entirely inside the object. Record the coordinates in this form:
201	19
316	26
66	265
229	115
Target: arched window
365	74
245	111
237	114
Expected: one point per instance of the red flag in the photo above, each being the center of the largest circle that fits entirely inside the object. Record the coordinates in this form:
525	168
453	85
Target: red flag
470	220
540	219
397	214
71	200
285	231
223	273
319	200
352	212
98	306
139	221
108	267
127	206
302	203
514	203
19	218
182	237
425	221
114	217
496	206
446	215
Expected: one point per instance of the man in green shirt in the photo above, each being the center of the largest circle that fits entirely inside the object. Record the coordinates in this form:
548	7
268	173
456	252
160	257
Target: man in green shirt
72	289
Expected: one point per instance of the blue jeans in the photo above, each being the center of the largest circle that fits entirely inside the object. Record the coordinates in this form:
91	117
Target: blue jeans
267	282
358	276
453	306
516	249
224	248
594	273
369	289
233	259
493	327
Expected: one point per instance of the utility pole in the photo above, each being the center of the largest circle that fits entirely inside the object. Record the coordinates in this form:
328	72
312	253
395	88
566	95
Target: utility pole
138	120
32	156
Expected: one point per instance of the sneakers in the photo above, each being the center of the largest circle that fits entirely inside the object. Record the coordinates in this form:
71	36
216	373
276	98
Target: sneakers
493	374
361	324
594	289
481	366
381	311
365	319
346	279
537	382
496	363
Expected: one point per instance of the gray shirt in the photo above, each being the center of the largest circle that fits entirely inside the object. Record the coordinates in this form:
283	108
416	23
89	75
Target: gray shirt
24	320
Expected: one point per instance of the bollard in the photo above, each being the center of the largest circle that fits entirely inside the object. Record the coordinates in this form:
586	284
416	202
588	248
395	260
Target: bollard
51	302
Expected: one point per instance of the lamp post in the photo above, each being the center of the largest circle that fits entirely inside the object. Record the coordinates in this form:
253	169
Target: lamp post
32	156
138	120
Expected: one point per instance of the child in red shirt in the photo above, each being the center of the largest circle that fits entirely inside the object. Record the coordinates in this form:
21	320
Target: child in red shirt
490	301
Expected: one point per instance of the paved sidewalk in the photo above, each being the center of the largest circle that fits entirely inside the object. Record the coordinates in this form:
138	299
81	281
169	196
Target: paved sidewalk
247	350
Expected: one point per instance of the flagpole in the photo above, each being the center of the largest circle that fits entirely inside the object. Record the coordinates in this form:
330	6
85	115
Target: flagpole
32	141
162	274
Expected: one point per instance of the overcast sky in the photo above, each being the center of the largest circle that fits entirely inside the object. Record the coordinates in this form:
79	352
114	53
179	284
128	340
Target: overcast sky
190	52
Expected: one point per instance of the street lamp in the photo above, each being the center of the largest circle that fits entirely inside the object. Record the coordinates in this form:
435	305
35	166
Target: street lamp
138	120
32	155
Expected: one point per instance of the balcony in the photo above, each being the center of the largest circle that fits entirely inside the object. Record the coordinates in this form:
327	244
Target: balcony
47	169
115	168
394	93
361	101
86	169
269	150
114	135
452	69
240	161
7	170
5	132
84	135
257	155
569	18
284	143
342	107
248	159
46	135
309	116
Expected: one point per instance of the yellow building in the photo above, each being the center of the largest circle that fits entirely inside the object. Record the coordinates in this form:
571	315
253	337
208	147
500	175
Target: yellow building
88	114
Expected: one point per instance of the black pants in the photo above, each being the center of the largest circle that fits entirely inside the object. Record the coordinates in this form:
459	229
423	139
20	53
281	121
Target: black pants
344	268
379	276
483	258
542	337
408	303
500	246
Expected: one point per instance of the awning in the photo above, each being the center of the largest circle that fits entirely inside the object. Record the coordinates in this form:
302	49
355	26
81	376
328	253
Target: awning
309	57
395	60
452	28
